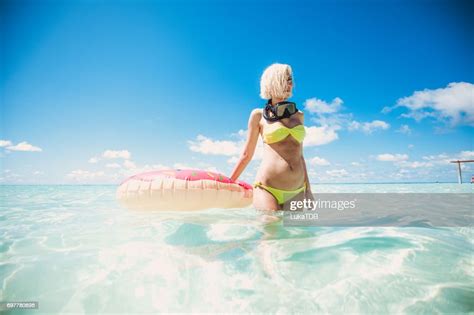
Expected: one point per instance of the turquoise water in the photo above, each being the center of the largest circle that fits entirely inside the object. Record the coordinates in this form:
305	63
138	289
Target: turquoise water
75	250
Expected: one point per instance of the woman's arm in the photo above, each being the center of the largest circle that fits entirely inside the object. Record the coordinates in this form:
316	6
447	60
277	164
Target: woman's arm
308	193
250	144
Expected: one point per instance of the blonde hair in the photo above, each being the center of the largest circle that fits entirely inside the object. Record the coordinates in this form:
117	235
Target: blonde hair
274	82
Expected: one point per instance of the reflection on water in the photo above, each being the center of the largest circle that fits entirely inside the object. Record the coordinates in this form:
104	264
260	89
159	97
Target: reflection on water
73	249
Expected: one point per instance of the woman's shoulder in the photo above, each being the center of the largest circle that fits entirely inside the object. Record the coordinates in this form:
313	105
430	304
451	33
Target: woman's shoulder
300	116
256	113
255	116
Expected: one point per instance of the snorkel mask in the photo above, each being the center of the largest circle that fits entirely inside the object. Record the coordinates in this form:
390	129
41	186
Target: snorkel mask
279	110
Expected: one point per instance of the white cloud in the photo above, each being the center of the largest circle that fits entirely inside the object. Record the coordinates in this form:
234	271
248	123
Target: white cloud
212	169
242	134
337	173
415	164
81	175
206	145
112	165
441	158
113	173
444	158
314	105
334	121
327	115
387	109
111	154
368	127
38	173
24	146
318	161
401	160
9	176
182	166
157	167
129	169
405	129
453	104
466	155
129	164
233	160
258	154
116	154
355	164
5	143
387	157
319	135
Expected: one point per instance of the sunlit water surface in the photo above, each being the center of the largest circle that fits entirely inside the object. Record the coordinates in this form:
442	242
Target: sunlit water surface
75	250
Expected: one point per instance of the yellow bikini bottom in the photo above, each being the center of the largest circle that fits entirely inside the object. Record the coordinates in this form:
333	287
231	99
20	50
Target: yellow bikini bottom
280	195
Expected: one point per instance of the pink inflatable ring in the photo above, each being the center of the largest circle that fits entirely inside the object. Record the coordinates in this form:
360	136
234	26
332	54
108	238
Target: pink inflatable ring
183	190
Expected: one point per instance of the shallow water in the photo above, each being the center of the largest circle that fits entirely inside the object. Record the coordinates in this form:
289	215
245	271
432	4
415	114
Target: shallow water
75	250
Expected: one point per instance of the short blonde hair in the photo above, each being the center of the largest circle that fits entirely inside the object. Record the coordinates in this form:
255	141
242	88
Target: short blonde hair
274	82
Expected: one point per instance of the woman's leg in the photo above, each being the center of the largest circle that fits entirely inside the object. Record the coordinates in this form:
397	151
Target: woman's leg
299	197
263	200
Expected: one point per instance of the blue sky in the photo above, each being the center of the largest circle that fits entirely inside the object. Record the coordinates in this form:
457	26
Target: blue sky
94	91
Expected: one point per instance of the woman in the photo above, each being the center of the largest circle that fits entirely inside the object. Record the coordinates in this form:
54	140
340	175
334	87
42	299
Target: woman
282	176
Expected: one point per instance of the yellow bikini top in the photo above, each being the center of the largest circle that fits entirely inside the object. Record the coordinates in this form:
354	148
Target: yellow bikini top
276	132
